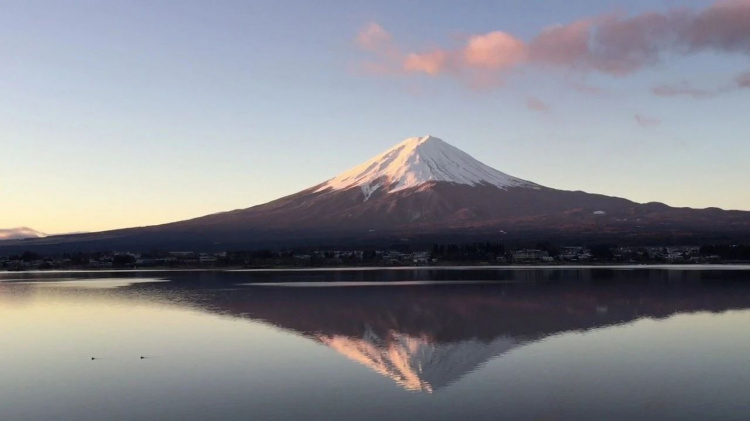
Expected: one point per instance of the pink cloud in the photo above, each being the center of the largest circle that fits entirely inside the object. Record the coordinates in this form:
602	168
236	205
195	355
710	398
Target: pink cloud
492	51
536	104
562	45
612	44
495	50
622	46
429	63
646	122
725	26
379	42
374	38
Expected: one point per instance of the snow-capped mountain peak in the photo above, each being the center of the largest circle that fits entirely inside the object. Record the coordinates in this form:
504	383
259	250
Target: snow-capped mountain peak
20	233
420	160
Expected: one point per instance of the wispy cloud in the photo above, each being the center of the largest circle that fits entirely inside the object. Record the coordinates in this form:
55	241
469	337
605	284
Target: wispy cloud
743	80
683	88
536	104
646	121
613	44
386	57
432	63
374	38
586	88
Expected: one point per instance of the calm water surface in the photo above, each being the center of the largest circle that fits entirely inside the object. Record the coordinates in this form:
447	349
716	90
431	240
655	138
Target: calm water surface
544	344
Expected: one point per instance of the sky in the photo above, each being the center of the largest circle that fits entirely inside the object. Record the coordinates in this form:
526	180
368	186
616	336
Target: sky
128	113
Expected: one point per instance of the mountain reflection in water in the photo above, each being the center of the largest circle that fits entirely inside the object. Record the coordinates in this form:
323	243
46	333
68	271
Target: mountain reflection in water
567	344
426	337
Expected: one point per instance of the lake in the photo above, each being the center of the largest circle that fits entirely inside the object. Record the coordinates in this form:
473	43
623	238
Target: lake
437	344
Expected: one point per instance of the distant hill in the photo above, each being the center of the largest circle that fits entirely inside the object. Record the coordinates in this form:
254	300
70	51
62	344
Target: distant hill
19	233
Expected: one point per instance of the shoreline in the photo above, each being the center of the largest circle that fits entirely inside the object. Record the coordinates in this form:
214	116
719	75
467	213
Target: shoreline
624	266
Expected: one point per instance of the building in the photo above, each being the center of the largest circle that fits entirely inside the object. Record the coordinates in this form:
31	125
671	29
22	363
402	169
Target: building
521	256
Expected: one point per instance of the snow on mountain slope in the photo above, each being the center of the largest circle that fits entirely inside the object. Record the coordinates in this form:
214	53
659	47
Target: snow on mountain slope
419	160
416	363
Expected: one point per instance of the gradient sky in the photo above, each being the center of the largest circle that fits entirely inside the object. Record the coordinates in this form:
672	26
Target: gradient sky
117	114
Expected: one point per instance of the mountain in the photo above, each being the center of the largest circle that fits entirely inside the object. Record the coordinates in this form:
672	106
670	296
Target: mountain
19	233
421	191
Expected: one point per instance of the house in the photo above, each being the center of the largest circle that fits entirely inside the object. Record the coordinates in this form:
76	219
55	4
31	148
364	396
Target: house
421	258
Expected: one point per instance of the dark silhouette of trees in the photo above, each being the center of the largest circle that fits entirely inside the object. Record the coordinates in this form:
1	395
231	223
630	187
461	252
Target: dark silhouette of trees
466	252
121	260
602	252
30	256
727	252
